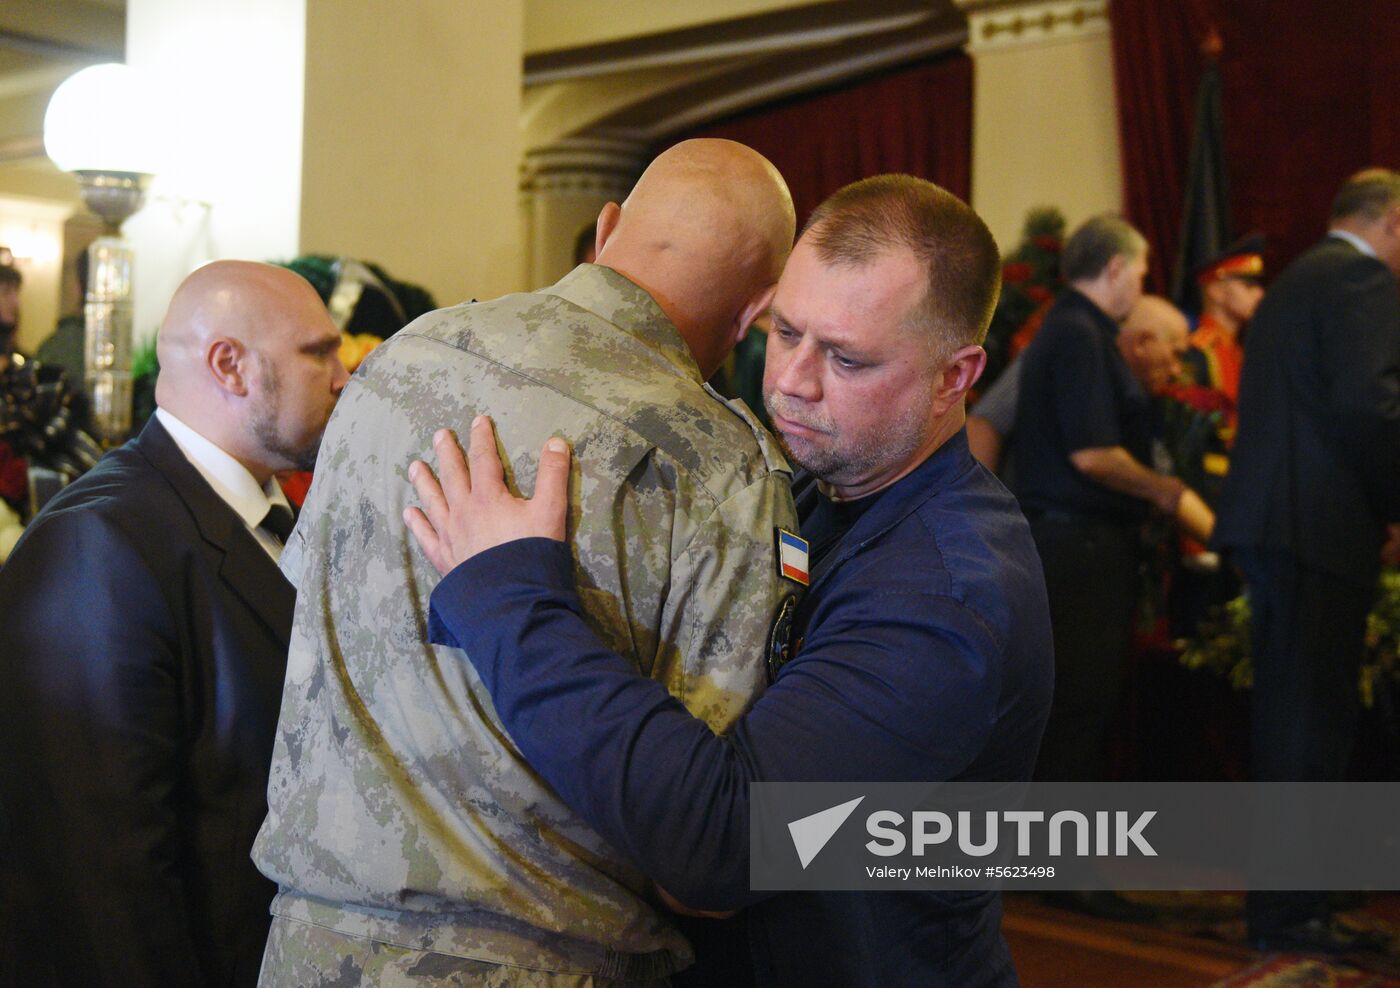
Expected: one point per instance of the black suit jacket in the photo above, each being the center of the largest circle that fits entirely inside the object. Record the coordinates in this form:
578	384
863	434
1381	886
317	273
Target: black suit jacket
1316	466
143	642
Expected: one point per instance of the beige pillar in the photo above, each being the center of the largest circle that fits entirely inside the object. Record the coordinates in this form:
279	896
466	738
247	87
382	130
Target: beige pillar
1045	125
563	187
383	130
412	144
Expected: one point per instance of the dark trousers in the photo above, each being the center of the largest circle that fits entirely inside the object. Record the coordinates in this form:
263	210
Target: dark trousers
1091	578
1308	630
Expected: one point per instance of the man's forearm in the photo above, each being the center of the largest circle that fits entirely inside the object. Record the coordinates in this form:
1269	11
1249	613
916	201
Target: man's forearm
1115	468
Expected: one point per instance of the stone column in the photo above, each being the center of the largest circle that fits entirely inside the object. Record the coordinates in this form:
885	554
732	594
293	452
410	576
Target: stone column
563	187
1045	125
412	140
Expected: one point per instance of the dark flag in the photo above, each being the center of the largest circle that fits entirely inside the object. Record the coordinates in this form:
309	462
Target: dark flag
1205	220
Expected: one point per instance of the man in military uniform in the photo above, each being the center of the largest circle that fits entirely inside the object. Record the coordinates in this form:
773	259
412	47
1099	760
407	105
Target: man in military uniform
1230	292
406	832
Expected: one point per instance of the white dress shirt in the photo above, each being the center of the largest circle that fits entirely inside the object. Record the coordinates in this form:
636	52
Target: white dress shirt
1354	240
230	480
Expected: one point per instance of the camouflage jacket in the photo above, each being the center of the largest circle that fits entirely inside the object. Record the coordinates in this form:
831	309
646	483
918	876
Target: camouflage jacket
398	807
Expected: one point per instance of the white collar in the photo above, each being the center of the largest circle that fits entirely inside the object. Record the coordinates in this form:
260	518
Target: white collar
1354	240
229	478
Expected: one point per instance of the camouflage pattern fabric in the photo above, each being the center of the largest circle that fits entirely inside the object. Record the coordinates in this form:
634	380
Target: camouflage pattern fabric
301	955
399	811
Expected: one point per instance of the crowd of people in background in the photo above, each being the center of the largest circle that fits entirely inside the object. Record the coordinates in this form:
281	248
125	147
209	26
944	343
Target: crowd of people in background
413	816
1302	471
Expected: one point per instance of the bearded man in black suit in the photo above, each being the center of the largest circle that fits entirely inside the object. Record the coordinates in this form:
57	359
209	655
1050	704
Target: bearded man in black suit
1314	478
143	642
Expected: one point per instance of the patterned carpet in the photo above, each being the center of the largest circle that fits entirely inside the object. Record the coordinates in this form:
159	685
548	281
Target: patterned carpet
1196	940
1305	972
1219	915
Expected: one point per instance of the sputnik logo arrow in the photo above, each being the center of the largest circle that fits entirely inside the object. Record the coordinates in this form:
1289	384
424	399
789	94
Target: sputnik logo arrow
811	833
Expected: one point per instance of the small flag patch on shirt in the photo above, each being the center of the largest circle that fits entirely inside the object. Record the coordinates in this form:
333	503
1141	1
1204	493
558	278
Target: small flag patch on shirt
792	556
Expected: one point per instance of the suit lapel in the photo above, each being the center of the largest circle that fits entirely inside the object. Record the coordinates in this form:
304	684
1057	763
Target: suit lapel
245	568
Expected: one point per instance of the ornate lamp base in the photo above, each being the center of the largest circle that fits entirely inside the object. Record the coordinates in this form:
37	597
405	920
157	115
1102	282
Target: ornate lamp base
108	311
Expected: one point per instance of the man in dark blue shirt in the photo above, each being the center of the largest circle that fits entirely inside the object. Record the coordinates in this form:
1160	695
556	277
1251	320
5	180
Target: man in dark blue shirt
920	652
1083	442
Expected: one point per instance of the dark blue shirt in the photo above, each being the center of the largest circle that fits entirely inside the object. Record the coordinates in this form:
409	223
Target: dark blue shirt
923	653
1077	393
826	521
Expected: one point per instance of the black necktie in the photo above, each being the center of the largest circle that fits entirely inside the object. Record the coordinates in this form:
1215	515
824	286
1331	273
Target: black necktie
278	521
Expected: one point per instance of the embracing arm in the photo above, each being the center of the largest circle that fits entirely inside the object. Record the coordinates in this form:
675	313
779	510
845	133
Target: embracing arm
856	703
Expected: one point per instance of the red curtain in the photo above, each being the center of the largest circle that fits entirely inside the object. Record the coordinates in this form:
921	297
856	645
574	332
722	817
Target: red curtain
1156	62
1384	35
1309	95
916	120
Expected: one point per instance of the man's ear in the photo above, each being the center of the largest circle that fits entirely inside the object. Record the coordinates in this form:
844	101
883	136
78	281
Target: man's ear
607	223
959	374
755	307
229	363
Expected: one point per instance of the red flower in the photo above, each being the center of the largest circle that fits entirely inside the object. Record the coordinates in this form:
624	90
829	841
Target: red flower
1016	271
1202	399
1023	336
1047	241
295	486
1038	293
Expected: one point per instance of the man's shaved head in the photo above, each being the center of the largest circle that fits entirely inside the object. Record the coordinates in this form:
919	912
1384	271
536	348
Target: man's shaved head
1152	340
238	298
706	231
1156	315
248	359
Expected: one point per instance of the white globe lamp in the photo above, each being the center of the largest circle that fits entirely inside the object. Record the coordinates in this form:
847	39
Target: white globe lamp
102	126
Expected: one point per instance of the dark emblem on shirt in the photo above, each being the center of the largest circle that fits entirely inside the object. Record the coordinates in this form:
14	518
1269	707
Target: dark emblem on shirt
780	646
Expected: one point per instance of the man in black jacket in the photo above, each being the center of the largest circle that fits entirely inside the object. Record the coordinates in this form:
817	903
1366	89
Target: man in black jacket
143	641
1312	482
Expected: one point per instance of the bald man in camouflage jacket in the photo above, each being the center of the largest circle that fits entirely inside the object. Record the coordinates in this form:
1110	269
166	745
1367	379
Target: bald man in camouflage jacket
408	836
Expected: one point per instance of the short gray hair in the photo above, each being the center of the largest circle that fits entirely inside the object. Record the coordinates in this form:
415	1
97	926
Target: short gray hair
1098	241
1367	195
